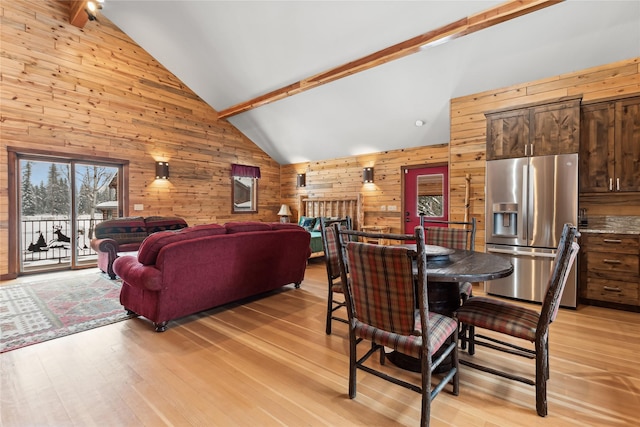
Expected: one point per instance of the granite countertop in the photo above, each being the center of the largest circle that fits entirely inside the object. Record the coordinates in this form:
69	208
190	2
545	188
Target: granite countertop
611	224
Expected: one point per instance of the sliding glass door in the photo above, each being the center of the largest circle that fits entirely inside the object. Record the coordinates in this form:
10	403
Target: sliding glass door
61	201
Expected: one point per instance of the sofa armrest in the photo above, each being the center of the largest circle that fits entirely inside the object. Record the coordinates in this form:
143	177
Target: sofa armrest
105	245
136	274
107	250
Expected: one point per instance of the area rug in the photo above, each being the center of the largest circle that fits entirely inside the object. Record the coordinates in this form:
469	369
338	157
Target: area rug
33	312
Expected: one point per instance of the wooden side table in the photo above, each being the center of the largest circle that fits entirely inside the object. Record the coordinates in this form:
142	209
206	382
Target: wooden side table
376	229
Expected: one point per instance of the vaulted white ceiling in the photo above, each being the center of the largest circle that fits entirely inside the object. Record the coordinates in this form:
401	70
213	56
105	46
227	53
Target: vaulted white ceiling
229	52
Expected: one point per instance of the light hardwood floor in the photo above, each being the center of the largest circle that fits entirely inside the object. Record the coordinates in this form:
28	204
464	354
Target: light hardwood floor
268	362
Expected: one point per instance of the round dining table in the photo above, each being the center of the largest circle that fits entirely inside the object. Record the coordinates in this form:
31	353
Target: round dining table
446	268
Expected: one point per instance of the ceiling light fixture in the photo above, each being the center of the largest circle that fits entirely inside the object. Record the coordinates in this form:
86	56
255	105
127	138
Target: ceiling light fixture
420	123
92	9
438	42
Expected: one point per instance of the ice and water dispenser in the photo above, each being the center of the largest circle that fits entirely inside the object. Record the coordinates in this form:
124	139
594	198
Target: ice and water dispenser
505	219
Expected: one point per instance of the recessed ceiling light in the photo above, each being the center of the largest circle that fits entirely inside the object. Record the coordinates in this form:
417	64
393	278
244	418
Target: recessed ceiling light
419	123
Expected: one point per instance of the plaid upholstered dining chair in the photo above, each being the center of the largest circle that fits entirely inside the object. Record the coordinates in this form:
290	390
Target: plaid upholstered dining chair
514	320
461	236
335	298
388	308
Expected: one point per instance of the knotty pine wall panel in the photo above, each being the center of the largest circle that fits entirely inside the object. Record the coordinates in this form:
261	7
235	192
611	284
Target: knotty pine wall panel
465	153
343	178
468	131
94	92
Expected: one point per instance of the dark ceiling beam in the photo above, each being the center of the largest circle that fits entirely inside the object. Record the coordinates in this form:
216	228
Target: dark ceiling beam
77	14
488	18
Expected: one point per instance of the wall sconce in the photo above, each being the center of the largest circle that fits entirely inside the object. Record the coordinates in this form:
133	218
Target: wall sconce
92	9
284	213
301	180
162	170
367	175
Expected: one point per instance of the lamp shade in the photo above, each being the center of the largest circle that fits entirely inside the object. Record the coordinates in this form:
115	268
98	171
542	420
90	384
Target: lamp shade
284	211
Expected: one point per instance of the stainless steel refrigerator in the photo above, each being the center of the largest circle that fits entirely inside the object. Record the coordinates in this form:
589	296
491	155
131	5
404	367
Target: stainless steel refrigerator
529	200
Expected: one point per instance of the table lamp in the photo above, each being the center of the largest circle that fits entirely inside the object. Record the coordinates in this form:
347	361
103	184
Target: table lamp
284	213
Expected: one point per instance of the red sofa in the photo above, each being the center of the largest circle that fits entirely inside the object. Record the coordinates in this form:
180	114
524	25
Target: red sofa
126	234
197	268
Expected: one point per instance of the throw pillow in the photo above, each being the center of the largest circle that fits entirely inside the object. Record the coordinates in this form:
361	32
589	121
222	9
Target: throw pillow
307	222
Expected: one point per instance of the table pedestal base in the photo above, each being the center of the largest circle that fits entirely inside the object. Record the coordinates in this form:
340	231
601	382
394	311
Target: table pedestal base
401	360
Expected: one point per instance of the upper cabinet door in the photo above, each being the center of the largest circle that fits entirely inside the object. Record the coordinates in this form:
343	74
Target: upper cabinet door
597	147
535	130
610	146
627	166
555	129
507	134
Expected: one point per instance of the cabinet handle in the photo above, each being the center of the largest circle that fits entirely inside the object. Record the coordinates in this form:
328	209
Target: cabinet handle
612	289
612	241
617	184
610	184
525	149
531	150
612	261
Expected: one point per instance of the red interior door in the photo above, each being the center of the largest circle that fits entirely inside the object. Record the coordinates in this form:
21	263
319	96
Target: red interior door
426	190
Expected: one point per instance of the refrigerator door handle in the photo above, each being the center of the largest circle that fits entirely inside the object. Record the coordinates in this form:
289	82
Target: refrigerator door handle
522	253
524	210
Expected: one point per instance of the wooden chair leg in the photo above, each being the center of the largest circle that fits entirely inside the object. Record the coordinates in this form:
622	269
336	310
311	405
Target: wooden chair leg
542	369
329	311
547	351
352	365
471	339
455	360
425	412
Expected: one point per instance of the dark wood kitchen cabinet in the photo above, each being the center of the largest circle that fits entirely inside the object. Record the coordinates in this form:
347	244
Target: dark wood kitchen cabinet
507	134
610	146
536	130
610	270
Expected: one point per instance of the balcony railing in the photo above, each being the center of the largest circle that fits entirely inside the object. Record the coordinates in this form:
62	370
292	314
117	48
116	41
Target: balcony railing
45	241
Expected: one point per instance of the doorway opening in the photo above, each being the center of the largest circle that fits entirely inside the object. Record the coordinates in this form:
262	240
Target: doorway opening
426	192
59	201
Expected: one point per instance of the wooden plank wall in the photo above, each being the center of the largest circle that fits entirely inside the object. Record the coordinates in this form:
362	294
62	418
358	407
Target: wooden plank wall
465	153
342	177
468	128
94	92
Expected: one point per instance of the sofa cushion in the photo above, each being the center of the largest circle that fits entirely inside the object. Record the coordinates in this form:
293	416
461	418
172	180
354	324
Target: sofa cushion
128	247
149	249
163	223
284	226
122	230
242	227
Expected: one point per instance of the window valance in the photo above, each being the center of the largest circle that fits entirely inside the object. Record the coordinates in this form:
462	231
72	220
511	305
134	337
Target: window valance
245	171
